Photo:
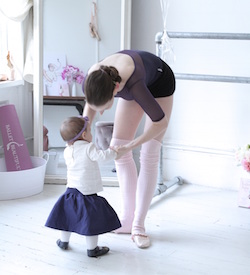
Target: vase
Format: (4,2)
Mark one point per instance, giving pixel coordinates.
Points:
(73,89)
(244,190)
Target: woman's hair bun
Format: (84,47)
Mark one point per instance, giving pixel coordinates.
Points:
(112,72)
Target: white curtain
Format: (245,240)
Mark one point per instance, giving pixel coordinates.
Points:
(16,9)
(20,11)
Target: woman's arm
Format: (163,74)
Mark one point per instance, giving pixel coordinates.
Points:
(90,113)
(159,117)
(153,131)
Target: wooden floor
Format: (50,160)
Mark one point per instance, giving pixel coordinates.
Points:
(193,229)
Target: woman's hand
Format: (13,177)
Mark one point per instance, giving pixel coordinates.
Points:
(121,150)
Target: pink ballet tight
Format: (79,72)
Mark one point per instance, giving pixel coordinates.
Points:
(127,177)
(137,192)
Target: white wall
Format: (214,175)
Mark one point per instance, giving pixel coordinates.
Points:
(66,31)
(209,119)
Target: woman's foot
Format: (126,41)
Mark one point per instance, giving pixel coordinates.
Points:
(123,230)
(126,228)
(142,241)
(62,245)
(98,251)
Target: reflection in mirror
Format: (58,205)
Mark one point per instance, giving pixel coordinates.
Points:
(66,39)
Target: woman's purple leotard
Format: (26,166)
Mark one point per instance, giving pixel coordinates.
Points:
(152,78)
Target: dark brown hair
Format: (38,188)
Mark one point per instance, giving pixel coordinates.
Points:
(99,85)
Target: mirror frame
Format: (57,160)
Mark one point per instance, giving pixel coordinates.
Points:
(125,43)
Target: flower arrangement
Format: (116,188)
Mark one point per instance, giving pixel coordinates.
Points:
(243,157)
(72,74)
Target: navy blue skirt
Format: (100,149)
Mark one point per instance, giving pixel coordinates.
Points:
(87,215)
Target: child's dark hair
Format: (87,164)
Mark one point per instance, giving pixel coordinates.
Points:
(99,85)
(71,127)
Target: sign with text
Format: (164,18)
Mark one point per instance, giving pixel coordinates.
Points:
(15,148)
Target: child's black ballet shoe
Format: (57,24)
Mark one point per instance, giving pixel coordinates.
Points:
(62,245)
(98,251)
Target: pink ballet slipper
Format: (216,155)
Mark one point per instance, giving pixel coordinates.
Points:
(142,241)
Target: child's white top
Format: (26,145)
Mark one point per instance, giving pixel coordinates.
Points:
(83,171)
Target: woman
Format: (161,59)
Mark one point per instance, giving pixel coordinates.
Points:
(144,84)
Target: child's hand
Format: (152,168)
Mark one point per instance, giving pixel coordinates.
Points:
(120,150)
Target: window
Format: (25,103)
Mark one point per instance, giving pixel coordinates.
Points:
(3,43)
(11,45)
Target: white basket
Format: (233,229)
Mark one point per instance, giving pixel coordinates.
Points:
(52,163)
(24,183)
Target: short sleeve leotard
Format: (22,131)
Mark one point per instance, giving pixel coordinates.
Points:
(152,78)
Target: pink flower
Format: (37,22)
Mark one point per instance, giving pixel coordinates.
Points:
(246,165)
(242,156)
(79,78)
(72,73)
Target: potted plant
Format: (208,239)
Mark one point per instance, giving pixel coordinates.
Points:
(73,75)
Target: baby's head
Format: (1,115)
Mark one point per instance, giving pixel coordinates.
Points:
(75,128)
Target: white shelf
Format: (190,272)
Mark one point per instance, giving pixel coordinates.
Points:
(8,84)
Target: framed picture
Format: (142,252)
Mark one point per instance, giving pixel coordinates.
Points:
(53,83)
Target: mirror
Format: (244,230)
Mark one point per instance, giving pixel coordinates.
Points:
(65,35)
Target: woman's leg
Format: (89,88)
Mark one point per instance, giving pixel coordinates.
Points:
(127,177)
(149,160)
(127,118)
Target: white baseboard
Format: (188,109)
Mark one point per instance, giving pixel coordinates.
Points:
(55,179)
(61,179)
(210,167)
